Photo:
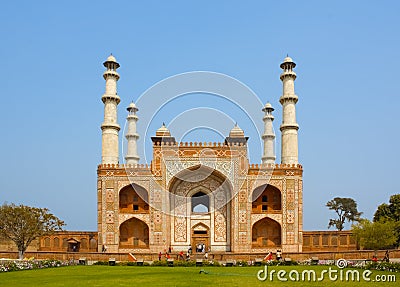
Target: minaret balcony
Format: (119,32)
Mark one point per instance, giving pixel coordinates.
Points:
(110,97)
(288,74)
(288,98)
(110,73)
(289,127)
(110,126)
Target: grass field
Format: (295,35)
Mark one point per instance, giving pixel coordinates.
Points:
(91,276)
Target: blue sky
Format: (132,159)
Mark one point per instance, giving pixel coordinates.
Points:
(347,55)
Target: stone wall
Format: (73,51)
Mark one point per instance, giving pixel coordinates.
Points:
(330,241)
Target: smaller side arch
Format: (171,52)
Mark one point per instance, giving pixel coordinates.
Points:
(134,233)
(84,243)
(266,233)
(46,242)
(133,199)
(56,242)
(266,199)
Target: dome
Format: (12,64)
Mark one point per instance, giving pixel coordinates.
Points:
(288,60)
(288,63)
(111,63)
(163,131)
(111,58)
(236,132)
(268,106)
(132,106)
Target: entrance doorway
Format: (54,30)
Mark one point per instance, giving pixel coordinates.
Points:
(200,238)
(73,245)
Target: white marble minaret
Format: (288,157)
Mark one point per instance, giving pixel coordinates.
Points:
(268,136)
(289,126)
(110,127)
(132,136)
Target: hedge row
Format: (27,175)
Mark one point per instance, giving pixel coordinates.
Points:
(17,265)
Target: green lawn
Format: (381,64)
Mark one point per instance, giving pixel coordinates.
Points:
(91,276)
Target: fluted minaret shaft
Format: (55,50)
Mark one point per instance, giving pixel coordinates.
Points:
(268,136)
(110,127)
(289,126)
(132,136)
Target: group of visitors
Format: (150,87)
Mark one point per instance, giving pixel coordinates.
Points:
(201,247)
(385,258)
(269,256)
(168,256)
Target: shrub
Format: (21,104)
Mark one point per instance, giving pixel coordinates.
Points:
(241,263)
(211,263)
(384,266)
(17,265)
(159,263)
(101,263)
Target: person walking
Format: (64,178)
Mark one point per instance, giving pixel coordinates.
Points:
(279,255)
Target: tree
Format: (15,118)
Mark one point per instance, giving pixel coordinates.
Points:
(346,208)
(390,212)
(375,235)
(22,224)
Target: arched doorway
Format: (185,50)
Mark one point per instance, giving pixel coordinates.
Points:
(266,233)
(73,245)
(134,233)
(200,238)
(200,195)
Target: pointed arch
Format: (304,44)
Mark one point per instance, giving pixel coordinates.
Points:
(200,226)
(266,199)
(56,242)
(134,233)
(200,202)
(213,188)
(198,173)
(266,233)
(133,198)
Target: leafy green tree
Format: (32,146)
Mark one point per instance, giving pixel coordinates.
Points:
(22,224)
(375,235)
(346,209)
(390,212)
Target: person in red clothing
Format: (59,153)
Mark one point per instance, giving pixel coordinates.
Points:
(268,257)
(181,255)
